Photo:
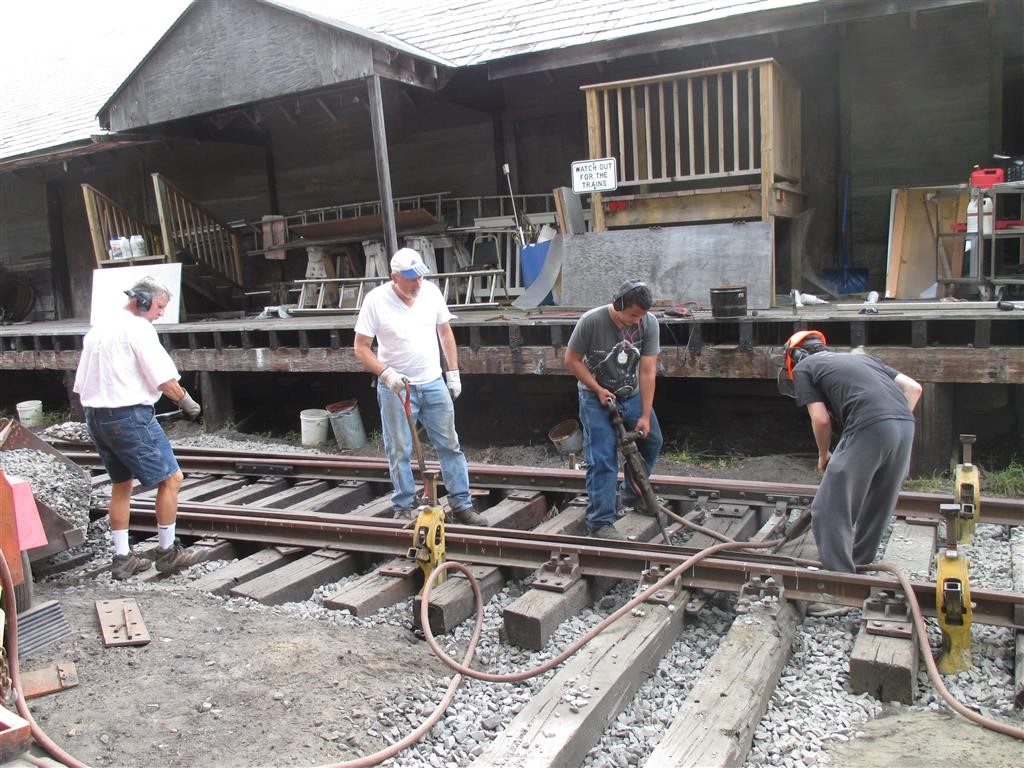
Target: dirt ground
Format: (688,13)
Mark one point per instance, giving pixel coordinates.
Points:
(226,685)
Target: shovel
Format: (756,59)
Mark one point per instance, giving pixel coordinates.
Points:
(407,402)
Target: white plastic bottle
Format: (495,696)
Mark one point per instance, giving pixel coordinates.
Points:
(138,246)
(986,215)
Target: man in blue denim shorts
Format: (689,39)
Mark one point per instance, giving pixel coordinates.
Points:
(121,374)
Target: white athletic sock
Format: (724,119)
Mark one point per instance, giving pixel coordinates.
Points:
(120,542)
(166,535)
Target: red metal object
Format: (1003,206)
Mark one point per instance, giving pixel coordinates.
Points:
(1000,224)
(985,178)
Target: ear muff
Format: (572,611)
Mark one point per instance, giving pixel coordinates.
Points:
(793,350)
(143,299)
(619,299)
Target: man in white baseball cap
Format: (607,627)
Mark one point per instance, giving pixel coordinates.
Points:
(407,316)
(409,264)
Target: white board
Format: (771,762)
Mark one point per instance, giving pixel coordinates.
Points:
(109,285)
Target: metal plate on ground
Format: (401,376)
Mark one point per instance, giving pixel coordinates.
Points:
(56,677)
(121,622)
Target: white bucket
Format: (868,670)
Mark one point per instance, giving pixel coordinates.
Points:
(30,413)
(314,426)
(347,424)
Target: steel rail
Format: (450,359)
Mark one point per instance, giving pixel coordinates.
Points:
(997,511)
(525,549)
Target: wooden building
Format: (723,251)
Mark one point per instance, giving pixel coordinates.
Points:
(290,109)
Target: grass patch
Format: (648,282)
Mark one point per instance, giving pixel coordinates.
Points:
(937,482)
(1005,483)
(685,454)
(1008,482)
(55,417)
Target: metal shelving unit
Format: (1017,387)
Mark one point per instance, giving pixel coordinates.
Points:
(972,273)
(996,235)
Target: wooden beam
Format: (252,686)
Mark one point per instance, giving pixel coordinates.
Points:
(995,365)
(380,147)
(551,730)
(715,726)
(327,109)
(886,667)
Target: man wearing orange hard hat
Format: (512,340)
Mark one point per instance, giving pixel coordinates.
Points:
(873,405)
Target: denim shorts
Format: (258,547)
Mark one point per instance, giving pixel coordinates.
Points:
(131,444)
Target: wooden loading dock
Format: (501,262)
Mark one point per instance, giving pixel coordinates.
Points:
(939,346)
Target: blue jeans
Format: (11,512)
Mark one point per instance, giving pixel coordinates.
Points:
(600,451)
(131,444)
(432,407)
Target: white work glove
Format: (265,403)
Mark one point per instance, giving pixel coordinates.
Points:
(393,380)
(454,382)
(189,407)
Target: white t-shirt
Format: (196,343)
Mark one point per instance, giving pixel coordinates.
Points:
(122,363)
(406,336)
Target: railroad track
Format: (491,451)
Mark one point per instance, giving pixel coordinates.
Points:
(285,524)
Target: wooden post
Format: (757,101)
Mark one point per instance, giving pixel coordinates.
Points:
(95,230)
(767,138)
(218,403)
(594,147)
(380,152)
(933,438)
(163,212)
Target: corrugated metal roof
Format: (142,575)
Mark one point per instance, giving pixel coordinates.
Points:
(61,61)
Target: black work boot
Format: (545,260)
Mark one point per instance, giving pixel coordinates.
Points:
(607,532)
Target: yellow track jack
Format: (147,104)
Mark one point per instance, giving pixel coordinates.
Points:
(953,597)
(967,490)
(428,532)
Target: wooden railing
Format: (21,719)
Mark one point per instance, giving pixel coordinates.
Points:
(721,122)
(109,219)
(187,226)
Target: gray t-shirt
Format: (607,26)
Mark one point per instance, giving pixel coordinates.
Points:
(611,353)
(857,389)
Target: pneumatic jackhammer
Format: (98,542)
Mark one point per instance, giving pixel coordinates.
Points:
(634,470)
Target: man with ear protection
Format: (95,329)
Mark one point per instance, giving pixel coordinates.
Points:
(613,353)
(874,406)
(123,371)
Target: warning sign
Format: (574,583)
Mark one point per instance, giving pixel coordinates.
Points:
(595,175)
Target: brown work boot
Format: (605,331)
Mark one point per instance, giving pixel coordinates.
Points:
(607,532)
(177,557)
(128,565)
(469,516)
(827,610)
(403,513)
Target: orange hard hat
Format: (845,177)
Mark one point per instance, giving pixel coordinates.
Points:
(795,342)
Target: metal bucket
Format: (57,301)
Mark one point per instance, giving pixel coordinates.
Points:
(347,424)
(729,301)
(314,426)
(567,437)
